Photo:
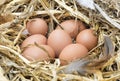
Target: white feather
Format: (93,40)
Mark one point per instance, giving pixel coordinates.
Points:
(25,32)
(87,3)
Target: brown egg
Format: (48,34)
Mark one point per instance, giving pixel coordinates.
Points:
(88,38)
(72,27)
(37,26)
(58,39)
(72,52)
(43,52)
(37,38)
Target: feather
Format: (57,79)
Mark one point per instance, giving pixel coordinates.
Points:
(88,64)
(87,3)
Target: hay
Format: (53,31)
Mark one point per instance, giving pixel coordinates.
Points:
(13,17)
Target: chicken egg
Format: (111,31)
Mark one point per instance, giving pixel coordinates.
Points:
(37,38)
(58,39)
(37,26)
(72,52)
(34,53)
(88,38)
(72,27)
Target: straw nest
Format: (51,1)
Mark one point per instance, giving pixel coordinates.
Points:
(13,17)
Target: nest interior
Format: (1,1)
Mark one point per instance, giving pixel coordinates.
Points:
(13,17)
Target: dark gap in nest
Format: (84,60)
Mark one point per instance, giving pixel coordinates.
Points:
(69,3)
(5,55)
(23,37)
(42,79)
(22,23)
(119,14)
(20,42)
(0,57)
(105,30)
(118,30)
(11,37)
(114,66)
(20,8)
(90,75)
(66,18)
(9,34)
(20,79)
(86,25)
(116,48)
(55,24)
(108,32)
(105,69)
(52,61)
(38,7)
(113,12)
(98,1)
(8,74)
(45,17)
(56,7)
(102,5)
(118,80)
(27,77)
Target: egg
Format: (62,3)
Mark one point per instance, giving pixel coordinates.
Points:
(72,27)
(72,52)
(34,53)
(37,26)
(37,38)
(88,38)
(58,39)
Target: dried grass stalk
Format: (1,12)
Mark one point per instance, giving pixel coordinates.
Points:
(14,15)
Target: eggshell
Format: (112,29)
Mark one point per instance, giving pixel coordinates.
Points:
(37,38)
(37,26)
(88,38)
(58,39)
(72,52)
(43,52)
(70,26)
